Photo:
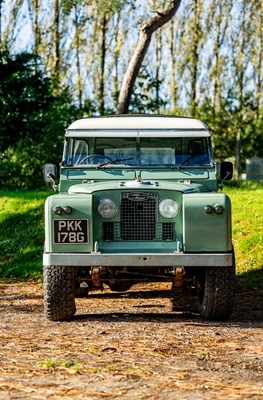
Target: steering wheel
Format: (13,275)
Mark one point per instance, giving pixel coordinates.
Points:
(98,156)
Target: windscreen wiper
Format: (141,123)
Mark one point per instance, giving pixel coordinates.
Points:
(114,162)
(192,156)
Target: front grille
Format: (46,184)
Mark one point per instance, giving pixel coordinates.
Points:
(107,231)
(168,231)
(138,219)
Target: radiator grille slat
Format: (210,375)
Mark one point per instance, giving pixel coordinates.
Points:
(138,219)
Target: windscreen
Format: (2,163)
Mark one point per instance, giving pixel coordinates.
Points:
(139,151)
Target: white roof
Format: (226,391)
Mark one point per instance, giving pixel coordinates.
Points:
(137,126)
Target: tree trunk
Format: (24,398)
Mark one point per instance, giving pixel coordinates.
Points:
(0,25)
(146,31)
(116,56)
(37,33)
(157,74)
(259,66)
(78,51)
(174,85)
(195,56)
(104,27)
(34,11)
(57,40)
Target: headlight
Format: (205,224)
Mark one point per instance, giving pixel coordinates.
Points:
(168,208)
(107,208)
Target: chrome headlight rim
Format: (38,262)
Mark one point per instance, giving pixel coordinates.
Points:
(107,208)
(168,208)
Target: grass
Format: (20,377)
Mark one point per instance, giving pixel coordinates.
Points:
(247,227)
(22,232)
(72,365)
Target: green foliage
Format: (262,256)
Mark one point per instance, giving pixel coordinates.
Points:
(224,125)
(22,232)
(143,99)
(33,120)
(210,52)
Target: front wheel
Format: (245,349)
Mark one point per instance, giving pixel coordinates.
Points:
(217,293)
(59,296)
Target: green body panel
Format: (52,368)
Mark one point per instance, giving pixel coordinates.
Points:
(206,232)
(71,176)
(82,209)
(204,177)
(196,230)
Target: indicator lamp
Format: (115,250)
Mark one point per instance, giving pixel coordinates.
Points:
(57,210)
(208,209)
(67,210)
(218,209)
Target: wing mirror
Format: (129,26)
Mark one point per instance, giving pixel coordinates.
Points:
(226,171)
(50,174)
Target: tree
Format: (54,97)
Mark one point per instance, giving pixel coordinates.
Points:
(32,120)
(34,12)
(146,31)
(1,40)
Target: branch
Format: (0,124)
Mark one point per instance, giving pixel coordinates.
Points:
(146,31)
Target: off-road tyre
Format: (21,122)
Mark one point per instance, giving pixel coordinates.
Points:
(216,297)
(59,296)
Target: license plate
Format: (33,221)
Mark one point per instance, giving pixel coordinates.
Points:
(71,231)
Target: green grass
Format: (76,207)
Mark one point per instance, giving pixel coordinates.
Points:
(62,364)
(22,232)
(247,227)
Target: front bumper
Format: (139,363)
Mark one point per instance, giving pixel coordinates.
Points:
(139,260)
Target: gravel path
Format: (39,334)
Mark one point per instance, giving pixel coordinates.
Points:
(128,345)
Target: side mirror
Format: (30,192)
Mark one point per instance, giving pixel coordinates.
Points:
(50,175)
(226,171)
(50,172)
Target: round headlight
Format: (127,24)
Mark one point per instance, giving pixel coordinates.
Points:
(67,210)
(107,208)
(168,208)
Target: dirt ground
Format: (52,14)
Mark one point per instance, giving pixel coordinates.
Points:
(128,345)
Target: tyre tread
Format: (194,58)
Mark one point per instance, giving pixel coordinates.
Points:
(59,298)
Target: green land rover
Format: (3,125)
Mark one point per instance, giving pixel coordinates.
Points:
(138,202)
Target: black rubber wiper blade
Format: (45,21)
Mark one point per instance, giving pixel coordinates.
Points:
(187,159)
(114,162)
